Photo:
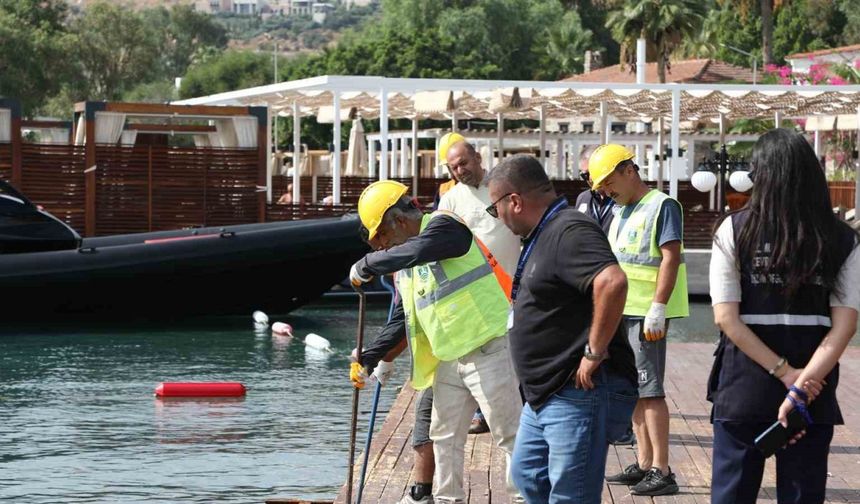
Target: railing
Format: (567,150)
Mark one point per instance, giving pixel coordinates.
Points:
(52,175)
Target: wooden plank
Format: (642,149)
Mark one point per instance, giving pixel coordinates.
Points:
(170,110)
(479,469)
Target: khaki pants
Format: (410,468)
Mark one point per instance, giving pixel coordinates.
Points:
(485,377)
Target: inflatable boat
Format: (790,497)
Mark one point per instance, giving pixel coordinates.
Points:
(47,271)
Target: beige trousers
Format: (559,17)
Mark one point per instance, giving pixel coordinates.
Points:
(485,377)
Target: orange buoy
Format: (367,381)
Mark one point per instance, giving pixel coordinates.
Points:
(200,389)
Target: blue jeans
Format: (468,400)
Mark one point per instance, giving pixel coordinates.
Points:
(560,451)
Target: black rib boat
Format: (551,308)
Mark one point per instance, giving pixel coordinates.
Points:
(47,272)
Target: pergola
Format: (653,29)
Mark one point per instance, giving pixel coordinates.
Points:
(403,98)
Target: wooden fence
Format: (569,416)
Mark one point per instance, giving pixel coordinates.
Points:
(154,188)
(5,161)
(53,176)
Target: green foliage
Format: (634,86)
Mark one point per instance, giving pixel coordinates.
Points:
(231,70)
(808,25)
(664,24)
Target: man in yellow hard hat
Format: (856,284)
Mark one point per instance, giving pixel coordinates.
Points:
(445,143)
(647,238)
(453,311)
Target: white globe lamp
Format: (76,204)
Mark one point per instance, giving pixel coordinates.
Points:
(740,181)
(704,181)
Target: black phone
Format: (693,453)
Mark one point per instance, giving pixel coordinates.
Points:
(776,436)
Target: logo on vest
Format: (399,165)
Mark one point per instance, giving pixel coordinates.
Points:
(423,272)
(632,234)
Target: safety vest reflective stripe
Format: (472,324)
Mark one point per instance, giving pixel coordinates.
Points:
(447,287)
(786,319)
(643,260)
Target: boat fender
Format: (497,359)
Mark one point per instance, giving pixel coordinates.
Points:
(227,234)
(282,329)
(261,320)
(200,389)
(87,250)
(316,341)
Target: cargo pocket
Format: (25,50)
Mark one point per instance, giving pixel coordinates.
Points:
(620,414)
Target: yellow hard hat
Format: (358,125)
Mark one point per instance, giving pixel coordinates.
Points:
(446,142)
(604,160)
(375,200)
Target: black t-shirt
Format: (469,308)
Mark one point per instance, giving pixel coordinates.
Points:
(554,307)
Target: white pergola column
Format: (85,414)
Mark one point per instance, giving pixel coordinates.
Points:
(857,174)
(415,166)
(559,158)
(604,123)
(661,139)
(542,137)
(500,135)
(437,170)
(691,156)
(574,153)
(392,169)
(383,134)
(371,158)
(676,143)
(777,118)
(404,157)
(297,154)
(454,127)
(816,143)
(335,167)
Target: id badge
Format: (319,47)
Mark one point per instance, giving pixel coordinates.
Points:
(510,319)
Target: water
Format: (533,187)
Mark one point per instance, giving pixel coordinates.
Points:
(79,423)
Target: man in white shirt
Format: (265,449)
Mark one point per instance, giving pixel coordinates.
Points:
(469,200)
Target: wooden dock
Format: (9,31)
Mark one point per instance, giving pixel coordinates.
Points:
(389,474)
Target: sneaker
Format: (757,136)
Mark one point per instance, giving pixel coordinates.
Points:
(656,483)
(407,499)
(479,426)
(631,475)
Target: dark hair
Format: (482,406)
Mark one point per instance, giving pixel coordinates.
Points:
(790,210)
(523,173)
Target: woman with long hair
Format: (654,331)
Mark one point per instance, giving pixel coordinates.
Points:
(784,279)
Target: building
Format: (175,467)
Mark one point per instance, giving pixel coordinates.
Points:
(320,11)
(802,62)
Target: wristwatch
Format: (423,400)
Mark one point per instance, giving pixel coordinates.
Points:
(595,356)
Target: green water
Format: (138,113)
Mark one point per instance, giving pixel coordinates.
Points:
(79,423)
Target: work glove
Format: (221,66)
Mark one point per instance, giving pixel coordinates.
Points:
(383,372)
(357,375)
(654,326)
(355,278)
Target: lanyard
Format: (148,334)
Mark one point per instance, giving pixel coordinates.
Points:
(527,251)
(600,210)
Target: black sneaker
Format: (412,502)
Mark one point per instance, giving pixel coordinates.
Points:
(631,475)
(656,483)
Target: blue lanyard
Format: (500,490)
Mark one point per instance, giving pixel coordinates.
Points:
(602,209)
(527,251)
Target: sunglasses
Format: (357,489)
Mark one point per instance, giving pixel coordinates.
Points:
(492,210)
(585,178)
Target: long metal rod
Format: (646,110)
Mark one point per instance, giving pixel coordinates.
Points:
(373,408)
(359,342)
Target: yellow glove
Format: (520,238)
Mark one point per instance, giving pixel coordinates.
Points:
(357,375)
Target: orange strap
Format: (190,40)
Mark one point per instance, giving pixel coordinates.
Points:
(503,278)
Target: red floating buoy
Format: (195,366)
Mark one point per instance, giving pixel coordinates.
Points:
(200,389)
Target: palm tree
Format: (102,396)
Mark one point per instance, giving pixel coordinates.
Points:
(664,24)
(567,42)
(767,8)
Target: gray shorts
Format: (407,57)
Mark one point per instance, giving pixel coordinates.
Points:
(423,409)
(650,359)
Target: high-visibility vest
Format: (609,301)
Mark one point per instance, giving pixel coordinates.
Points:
(452,307)
(635,246)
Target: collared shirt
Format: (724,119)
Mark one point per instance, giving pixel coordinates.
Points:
(554,307)
(470,204)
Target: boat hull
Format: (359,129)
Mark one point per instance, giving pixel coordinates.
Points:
(275,267)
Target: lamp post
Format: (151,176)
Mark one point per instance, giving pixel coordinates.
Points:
(713,172)
(751,55)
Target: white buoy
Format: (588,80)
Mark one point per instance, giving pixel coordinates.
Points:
(316,341)
(282,329)
(261,320)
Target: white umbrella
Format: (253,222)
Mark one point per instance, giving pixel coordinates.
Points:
(356,157)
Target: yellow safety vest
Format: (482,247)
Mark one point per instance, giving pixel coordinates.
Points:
(452,307)
(635,247)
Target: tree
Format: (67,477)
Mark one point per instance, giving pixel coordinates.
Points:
(116,50)
(664,24)
(566,45)
(33,47)
(184,34)
(766,9)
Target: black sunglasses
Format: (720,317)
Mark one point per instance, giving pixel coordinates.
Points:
(585,178)
(492,210)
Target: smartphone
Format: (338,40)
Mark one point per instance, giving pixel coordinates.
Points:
(776,436)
